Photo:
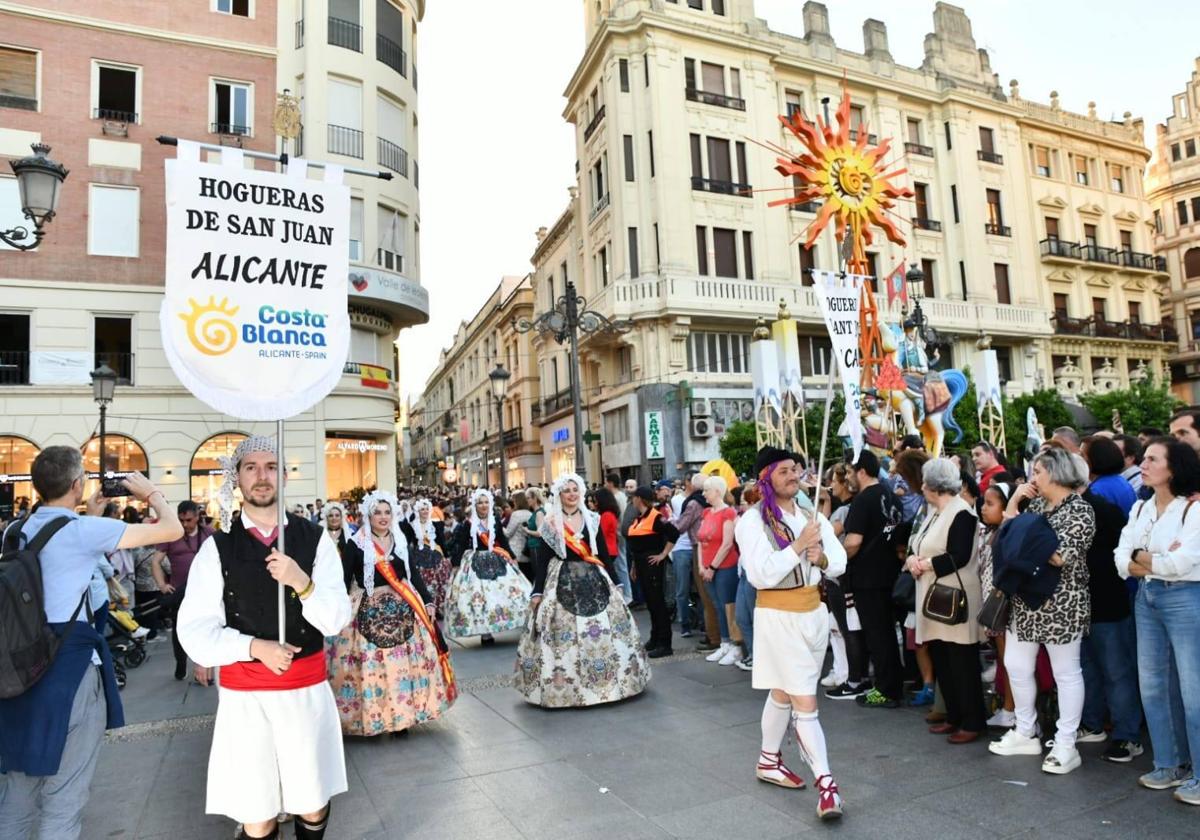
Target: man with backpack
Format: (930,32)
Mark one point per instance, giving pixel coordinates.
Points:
(873,568)
(57,688)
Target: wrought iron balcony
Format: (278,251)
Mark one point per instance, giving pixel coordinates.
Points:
(355,369)
(926,224)
(1066,325)
(600,207)
(1055,247)
(391,54)
(871,138)
(1103,328)
(1137,260)
(918,149)
(594,124)
(392,156)
(1097,254)
(345,141)
(990,157)
(346,34)
(115,115)
(512,436)
(121,363)
(557,402)
(718,99)
(231,128)
(997,230)
(723,187)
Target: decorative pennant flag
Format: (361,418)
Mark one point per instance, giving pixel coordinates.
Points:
(764,373)
(840,297)
(787,344)
(254,319)
(896,287)
(374,376)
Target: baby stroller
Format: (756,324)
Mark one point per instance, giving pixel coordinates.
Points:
(125,637)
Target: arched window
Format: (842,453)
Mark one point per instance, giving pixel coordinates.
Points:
(16,464)
(205,473)
(121,455)
(1191,263)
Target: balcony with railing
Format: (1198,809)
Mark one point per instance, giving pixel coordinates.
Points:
(392,156)
(1097,254)
(990,157)
(600,207)
(718,99)
(391,54)
(918,149)
(872,139)
(231,129)
(556,403)
(120,363)
(114,115)
(1139,261)
(1055,248)
(722,187)
(512,437)
(920,223)
(345,141)
(1103,328)
(14,367)
(594,124)
(997,230)
(299,34)
(345,33)
(1066,325)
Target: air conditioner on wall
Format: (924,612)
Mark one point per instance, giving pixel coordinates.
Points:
(702,427)
(700,408)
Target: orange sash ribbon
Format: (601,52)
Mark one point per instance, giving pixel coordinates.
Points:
(404,589)
(486,539)
(580,547)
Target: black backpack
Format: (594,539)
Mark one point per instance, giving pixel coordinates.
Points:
(28,644)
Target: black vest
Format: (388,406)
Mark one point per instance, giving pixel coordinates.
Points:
(250,591)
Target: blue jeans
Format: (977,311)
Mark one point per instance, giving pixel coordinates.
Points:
(621,563)
(723,590)
(1110,680)
(747,595)
(681,562)
(1168,629)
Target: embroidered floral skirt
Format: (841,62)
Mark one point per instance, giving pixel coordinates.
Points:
(434,569)
(384,669)
(583,647)
(487,595)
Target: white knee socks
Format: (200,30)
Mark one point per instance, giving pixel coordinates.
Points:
(775,720)
(812,742)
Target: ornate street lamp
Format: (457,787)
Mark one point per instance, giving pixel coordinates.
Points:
(39,180)
(104,386)
(500,377)
(916,287)
(565,321)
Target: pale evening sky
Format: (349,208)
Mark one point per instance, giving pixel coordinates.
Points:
(497,156)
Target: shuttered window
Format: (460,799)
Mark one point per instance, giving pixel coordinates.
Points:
(18,79)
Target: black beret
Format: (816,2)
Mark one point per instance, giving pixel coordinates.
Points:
(769,455)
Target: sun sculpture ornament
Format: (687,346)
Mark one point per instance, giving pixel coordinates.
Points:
(847,175)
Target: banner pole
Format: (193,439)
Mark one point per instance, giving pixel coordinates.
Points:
(281,477)
(824,433)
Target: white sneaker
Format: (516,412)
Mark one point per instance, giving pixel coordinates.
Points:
(1003,719)
(718,654)
(1061,760)
(833,680)
(732,656)
(1014,743)
(141,633)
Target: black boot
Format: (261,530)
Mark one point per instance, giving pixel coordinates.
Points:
(306,830)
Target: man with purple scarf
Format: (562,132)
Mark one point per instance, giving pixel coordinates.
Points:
(785,548)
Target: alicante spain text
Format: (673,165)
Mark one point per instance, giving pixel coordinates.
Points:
(770,419)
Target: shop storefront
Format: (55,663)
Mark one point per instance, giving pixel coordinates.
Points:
(16,464)
(558,442)
(352,464)
(206,473)
(122,455)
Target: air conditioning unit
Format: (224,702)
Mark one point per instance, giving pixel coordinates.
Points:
(702,427)
(700,408)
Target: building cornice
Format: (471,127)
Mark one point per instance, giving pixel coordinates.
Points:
(122,28)
(556,233)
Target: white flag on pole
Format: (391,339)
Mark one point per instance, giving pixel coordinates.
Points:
(840,299)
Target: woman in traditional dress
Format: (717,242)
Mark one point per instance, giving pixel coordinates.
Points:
(429,557)
(389,667)
(334,514)
(488,594)
(582,646)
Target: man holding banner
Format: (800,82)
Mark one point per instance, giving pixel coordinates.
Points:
(277,741)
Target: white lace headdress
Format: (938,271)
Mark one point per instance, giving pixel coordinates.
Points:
(552,526)
(363,538)
(426,528)
(477,525)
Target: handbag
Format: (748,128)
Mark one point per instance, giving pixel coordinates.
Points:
(993,615)
(945,604)
(904,592)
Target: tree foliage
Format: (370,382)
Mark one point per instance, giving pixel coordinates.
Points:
(814,419)
(739,446)
(1051,412)
(1146,403)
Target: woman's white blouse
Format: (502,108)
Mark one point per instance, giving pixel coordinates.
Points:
(1172,539)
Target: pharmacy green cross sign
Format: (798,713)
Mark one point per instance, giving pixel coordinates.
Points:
(654,435)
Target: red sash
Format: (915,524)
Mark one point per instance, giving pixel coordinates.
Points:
(580,547)
(404,589)
(486,539)
(255,676)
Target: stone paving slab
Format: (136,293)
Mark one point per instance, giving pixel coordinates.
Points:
(674,762)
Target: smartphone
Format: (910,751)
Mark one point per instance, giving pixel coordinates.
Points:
(113,488)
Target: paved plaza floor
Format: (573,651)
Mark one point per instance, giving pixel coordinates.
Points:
(677,761)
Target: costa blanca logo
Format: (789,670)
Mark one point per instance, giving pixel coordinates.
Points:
(209,328)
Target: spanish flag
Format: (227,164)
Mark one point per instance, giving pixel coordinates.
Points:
(374,376)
